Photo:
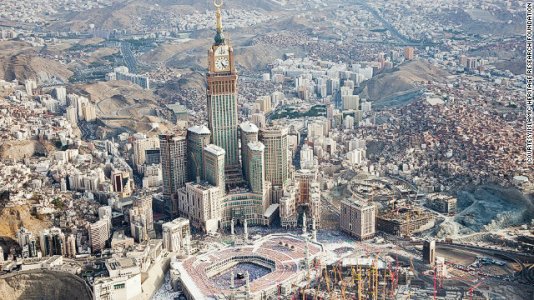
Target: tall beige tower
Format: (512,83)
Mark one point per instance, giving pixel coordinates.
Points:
(256,167)
(222,101)
(173,167)
(249,133)
(198,137)
(358,218)
(214,166)
(276,154)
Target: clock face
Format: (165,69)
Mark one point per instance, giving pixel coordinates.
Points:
(222,63)
(221,51)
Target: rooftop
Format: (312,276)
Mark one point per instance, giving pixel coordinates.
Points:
(256,146)
(214,149)
(249,127)
(199,129)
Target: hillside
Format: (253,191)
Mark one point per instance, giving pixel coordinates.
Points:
(123,106)
(23,63)
(131,14)
(20,149)
(404,81)
(13,218)
(44,285)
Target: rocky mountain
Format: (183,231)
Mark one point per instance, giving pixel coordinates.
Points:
(24,63)
(44,285)
(400,84)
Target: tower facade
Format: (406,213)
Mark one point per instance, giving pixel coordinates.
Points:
(198,137)
(276,154)
(214,166)
(173,167)
(256,171)
(249,133)
(357,218)
(222,101)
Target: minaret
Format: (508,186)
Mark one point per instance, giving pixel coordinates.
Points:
(304,225)
(314,231)
(247,283)
(232,229)
(245,230)
(232,284)
(222,100)
(307,256)
(188,246)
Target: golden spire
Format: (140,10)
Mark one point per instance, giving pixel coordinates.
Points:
(218,4)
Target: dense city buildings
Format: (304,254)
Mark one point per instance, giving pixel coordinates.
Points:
(323,149)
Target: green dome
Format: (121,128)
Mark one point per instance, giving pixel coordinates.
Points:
(219,38)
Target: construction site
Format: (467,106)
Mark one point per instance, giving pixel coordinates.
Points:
(329,265)
(403,221)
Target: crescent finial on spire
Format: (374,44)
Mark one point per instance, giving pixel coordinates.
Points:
(219,38)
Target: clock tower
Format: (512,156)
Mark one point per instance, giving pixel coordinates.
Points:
(222,100)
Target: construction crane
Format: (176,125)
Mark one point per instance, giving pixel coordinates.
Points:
(473,288)
(357,280)
(393,277)
(317,288)
(342,284)
(327,282)
(385,285)
(412,269)
(435,282)
(408,221)
(374,279)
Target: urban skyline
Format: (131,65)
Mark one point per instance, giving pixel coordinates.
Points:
(324,149)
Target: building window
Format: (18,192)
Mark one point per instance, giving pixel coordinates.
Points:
(119,286)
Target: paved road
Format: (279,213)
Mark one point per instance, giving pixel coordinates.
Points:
(129,58)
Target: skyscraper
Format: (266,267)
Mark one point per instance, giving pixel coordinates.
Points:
(142,218)
(121,182)
(140,146)
(307,160)
(214,166)
(409,53)
(249,133)
(256,171)
(222,101)
(71,246)
(276,154)
(27,242)
(198,137)
(358,218)
(220,195)
(173,167)
(138,224)
(105,213)
(98,235)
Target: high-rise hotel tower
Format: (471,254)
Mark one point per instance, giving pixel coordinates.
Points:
(222,101)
